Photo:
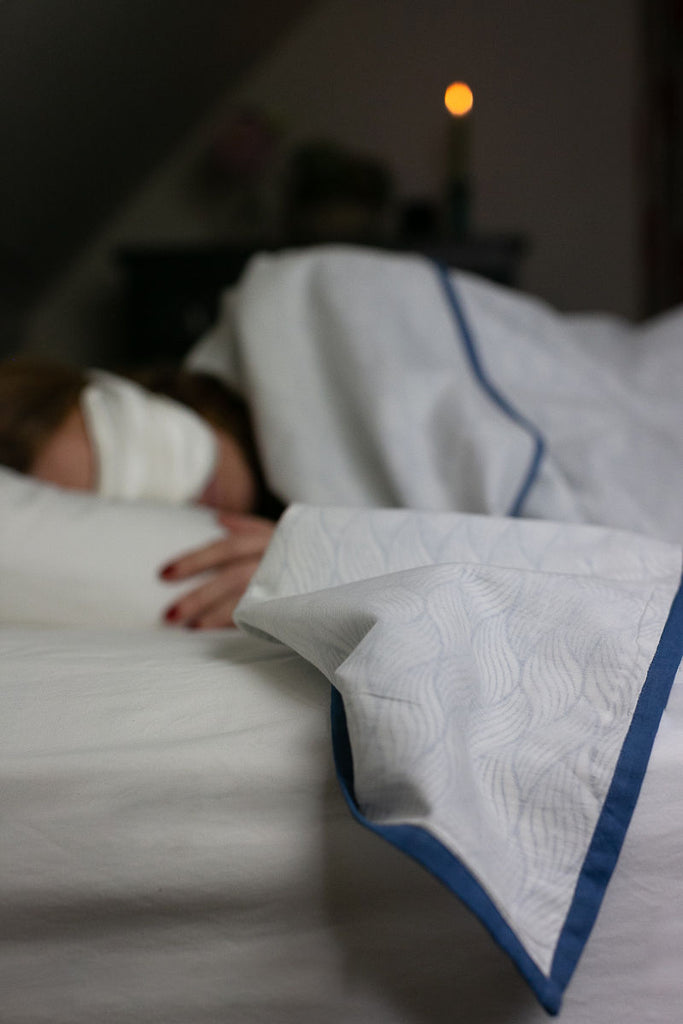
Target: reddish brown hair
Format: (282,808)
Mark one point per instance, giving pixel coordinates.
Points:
(35,399)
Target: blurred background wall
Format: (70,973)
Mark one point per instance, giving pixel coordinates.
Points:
(94,95)
(555,152)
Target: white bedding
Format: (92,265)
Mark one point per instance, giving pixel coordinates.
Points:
(498,684)
(383,380)
(174,847)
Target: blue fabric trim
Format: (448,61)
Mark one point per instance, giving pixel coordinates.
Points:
(492,391)
(422,846)
(622,796)
(605,846)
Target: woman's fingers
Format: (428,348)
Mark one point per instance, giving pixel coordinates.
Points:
(245,524)
(247,539)
(232,561)
(211,605)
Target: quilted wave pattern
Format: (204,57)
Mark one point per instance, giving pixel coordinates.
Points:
(489,671)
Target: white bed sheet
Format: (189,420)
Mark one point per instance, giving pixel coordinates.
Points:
(174,847)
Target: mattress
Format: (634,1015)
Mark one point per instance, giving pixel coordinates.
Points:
(175,847)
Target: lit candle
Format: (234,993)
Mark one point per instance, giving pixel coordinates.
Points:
(459,101)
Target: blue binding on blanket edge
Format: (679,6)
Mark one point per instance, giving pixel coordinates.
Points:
(605,845)
(492,391)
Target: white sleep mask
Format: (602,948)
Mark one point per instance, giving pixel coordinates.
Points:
(146,446)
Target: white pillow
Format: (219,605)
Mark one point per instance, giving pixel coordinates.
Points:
(68,558)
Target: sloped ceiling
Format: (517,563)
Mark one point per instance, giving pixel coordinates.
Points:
(93,93)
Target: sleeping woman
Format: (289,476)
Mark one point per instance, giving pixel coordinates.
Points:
(373,380)
(169,435)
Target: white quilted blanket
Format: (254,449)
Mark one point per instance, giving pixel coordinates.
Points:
(497,681)
(497,686)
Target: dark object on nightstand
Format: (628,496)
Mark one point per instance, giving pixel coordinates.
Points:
(334,194)
(172,294)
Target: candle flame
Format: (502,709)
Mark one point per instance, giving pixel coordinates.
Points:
(459,99)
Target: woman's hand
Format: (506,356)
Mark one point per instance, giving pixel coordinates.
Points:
(233,560)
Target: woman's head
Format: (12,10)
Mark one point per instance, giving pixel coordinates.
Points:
(99,432)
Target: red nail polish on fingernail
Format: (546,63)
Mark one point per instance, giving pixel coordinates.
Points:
(167,572)
(172,615)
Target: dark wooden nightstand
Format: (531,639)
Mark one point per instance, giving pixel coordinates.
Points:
(172,293)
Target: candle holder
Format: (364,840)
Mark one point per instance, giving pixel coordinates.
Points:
(458,209)
(459,101)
